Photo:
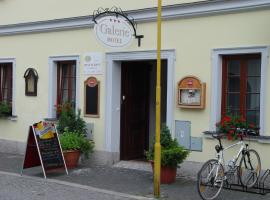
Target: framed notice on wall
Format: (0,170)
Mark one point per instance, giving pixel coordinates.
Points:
(191,93)
(92,63)
(91,97)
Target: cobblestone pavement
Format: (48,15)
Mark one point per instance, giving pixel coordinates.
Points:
(16,187)
(136,181)
(140,183)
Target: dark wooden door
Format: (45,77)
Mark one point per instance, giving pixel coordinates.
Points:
(134,110)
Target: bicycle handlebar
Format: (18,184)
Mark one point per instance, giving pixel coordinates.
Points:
(244,131)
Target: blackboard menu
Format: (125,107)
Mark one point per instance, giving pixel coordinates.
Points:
(49,146)
(43,148)
(91,88)
(50,152)
(92,100)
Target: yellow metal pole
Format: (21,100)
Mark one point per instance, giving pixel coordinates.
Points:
(157,160)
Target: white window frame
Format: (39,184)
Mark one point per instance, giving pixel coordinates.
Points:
(53,81)
(217,83)
(13,61)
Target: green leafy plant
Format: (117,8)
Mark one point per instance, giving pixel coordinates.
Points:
(5,109)
(75,141)
(229,123)
(69,119)
(172,154)
(72,130)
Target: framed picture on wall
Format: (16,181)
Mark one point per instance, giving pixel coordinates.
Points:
(91,97)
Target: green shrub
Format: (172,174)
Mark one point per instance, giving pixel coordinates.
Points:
(5,109)
(172,153)
(75,141)
(70,120)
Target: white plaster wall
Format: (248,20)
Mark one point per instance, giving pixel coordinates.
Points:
(193,39)
(17,11)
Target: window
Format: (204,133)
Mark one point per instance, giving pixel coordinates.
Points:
(241,85)
(66,83)
(6,83)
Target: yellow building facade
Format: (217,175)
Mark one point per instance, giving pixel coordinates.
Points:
(196,38)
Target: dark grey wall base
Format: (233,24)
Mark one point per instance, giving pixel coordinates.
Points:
(12,147)
(97,158)
(101,158)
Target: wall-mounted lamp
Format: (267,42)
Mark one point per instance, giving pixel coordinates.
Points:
(31,78)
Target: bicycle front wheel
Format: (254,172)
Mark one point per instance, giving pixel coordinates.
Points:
(210,179)
(250,168)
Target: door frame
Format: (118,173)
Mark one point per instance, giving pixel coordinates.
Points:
(113,91)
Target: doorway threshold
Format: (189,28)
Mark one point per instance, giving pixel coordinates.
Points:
(134,164)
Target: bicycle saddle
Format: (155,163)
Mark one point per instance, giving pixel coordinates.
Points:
(218,135)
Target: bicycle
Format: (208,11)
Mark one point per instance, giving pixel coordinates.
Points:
(211,177)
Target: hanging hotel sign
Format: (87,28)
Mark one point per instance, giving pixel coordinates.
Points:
(114,28)
(113,31)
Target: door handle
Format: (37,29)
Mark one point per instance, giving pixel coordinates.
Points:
(123,99)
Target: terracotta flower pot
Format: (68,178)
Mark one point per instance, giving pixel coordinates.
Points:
(167,174)
(71,158)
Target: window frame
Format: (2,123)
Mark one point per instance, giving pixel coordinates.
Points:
(52,82)
(216,76)
(59,91)
(243,81)
(8,82)
(13,63)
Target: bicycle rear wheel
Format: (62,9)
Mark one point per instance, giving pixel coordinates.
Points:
(250,168)
(210,179)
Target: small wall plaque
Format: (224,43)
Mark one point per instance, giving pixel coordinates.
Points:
(191,93)
(31,78)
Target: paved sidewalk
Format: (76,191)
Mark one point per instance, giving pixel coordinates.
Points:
(136,181)
(16,187)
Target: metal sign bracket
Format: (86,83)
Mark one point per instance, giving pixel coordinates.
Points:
(116,12)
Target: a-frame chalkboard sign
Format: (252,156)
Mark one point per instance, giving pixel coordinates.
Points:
(43,148)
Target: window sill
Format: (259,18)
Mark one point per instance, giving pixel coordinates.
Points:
(53,120)
(11,117)
(259,139)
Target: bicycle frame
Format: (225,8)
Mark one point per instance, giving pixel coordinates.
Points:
(220,155)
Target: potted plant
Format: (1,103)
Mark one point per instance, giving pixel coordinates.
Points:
(72,132)
(73,144)
(5,109)
(229,123)
(69,119)
(172,154)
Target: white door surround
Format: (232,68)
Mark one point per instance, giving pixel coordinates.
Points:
(113,91)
